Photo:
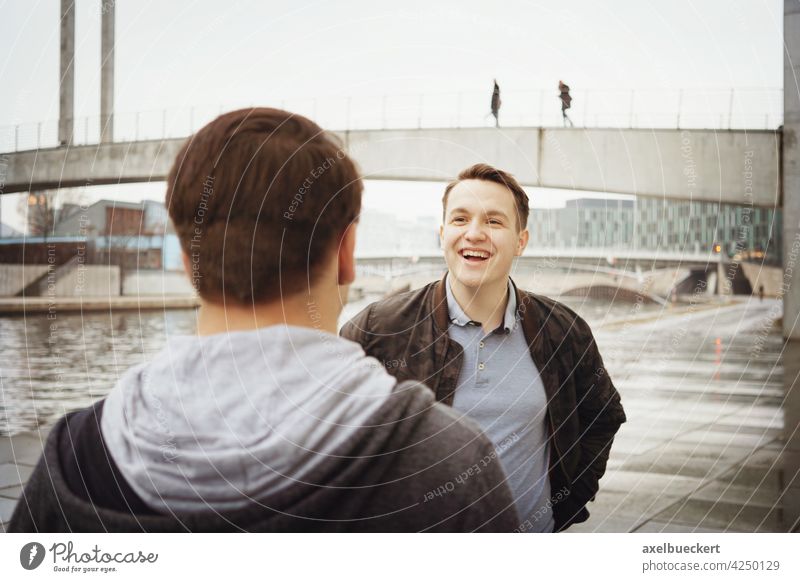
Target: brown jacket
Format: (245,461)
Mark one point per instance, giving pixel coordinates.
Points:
(408,334)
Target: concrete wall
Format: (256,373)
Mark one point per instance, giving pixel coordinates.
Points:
(791,168)
(95,281)
(770,277)
(157,283)
(88,281)
(14,278)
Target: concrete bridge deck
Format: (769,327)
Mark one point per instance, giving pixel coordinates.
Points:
(697,164)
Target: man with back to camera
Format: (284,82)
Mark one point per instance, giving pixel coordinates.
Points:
(524,366)
(266,420)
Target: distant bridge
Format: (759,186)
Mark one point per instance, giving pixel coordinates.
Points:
(624,275)
(594,256)
(639,276)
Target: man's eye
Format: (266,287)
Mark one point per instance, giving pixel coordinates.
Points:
(494,221)
(459,219)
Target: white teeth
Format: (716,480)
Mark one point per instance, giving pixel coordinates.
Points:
(479,254)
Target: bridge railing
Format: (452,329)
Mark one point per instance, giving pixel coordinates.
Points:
(740,108)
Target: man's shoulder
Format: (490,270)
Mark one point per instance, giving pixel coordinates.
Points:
(393,314)
(399,303)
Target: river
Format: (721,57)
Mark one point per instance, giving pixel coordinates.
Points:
(51,366)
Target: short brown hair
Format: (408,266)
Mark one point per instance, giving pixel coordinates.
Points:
(260,198)
(492,174)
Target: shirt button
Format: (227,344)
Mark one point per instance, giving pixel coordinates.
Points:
(481,366)
(480,345)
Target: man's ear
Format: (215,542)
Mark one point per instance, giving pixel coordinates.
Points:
(347,259)
(441,236)
(523,242)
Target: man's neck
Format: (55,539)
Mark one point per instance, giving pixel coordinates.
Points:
(318,309)
(485,303)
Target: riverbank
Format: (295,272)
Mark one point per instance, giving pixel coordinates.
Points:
(23,305)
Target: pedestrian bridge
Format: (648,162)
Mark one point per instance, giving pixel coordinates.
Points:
(725,166)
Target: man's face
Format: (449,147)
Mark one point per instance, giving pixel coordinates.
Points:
(480,235)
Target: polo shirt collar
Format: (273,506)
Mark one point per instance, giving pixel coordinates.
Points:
(458,317)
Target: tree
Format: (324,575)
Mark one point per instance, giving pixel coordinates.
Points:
(44,210)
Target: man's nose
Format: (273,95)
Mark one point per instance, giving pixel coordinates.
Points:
(475,231)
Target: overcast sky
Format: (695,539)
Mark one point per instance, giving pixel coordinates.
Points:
(174,54)
(202,53)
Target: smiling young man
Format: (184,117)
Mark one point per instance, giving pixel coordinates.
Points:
(525,367)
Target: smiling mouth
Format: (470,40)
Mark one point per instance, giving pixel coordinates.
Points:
(474,256)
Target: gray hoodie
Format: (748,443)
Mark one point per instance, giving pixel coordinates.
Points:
(239,416)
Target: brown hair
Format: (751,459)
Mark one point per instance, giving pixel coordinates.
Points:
(492,174)
(259,199)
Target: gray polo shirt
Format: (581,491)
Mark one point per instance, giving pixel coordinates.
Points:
(499,387)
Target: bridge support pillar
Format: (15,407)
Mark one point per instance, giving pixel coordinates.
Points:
(791,251)
(724,286)
(791,170)
(107,73)
(66,80)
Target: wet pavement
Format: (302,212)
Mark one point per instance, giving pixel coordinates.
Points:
(711,444)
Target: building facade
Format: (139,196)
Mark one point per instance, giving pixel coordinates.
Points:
(654,224)
(134,235)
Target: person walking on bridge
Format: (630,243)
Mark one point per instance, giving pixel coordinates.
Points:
(496,104)
(566,102)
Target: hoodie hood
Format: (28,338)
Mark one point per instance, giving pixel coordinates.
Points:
(217,422)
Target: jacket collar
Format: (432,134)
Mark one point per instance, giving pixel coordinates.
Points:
(441,317)
(457,316)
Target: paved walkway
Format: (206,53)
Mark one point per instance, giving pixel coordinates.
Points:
(18,455)
(711,444)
